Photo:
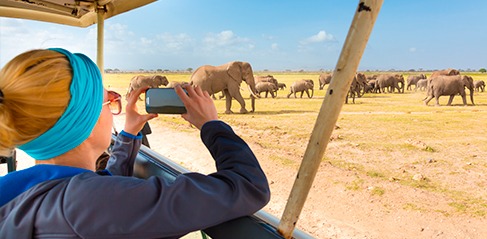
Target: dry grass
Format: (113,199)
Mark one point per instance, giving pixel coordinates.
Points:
(382,137)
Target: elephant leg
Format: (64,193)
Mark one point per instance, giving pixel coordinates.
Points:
(290,93)
(307,92)
(464,98)
(228,99)
(427,99)
(450,100)
(240,100)
(437,100)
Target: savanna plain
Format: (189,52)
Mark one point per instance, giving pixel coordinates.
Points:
(393,168)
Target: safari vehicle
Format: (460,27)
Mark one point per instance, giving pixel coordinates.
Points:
(83,13)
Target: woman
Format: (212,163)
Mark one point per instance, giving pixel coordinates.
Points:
(53,107)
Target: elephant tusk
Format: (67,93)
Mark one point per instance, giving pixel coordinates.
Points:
(252,92)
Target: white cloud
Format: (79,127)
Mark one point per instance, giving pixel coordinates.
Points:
(274,46)
(268,37)
(226,39)
(320,40)
(322,36)
(412,49)
(18,36)
(171,42)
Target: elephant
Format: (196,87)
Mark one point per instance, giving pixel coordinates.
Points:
(372,86)
(445,72)
(391,82)
(302,86)
(421,84)
(267,78)
(449,85)
(357,88)
(360,84)
(147,81)
(226,78)
(173,84)
(413,80)
(371,77)
(267,87)
(281,86)
(325,78)
(479,85)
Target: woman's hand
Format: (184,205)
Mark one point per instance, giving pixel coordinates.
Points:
(199,106)
(133,120)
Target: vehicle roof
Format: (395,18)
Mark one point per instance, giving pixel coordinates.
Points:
(79,13)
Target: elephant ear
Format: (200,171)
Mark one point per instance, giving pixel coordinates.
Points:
(234,69)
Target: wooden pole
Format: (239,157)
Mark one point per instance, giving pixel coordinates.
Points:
(353,48)
(100,12)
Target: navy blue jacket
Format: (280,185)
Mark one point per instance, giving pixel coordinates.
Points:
(51,201)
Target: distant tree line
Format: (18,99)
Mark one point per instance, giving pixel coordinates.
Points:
(189,69)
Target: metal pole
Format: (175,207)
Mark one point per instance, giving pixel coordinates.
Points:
(353,48)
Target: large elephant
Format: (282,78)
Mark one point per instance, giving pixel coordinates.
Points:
(302,86)
(449,85)
(324,79)
(226,78)
(267,87)
(445,72)
(147,81)
(391,82)
(413,80)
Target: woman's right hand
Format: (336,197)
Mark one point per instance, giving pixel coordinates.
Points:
(199,105)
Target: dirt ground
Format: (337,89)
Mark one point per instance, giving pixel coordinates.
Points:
(331,211)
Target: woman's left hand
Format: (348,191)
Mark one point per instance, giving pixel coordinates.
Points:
(133,120)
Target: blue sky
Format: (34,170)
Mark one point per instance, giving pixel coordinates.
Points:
(272,35)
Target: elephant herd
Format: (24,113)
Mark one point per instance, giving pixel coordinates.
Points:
(448,82)
(227,78)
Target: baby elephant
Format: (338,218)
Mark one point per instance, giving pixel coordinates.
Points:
(267,87)
(281,86)
(302,86)
(479,85)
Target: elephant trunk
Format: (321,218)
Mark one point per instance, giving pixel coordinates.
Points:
(312,92)
(252,103)
(471,95)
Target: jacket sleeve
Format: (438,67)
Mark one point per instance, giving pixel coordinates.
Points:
(156,208)
(124,152)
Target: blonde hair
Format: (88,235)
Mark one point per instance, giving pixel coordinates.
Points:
(36,92)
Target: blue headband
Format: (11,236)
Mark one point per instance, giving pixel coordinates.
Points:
(81,115)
